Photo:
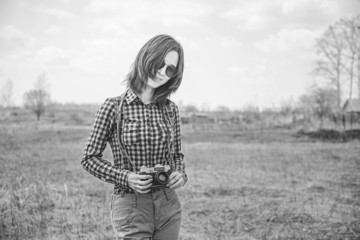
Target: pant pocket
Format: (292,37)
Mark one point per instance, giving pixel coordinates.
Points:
(121,215)
(171,205)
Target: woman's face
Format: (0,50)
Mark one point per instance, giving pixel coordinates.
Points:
(161,77)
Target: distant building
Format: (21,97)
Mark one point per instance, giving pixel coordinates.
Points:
(352,106)
(351,110)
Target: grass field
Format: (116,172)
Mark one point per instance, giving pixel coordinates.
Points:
(255,184)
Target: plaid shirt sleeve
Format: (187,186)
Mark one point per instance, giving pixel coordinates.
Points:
(178,156)
(92,160)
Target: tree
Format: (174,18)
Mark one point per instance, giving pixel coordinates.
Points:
(222,109)
(191,108)
(287,110)
(306,105)
(325,102)
(337,49)
(320,102)
(330,47)
(6,98)
(351,34)
(38,98)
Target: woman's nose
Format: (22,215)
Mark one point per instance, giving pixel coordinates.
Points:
(162,70)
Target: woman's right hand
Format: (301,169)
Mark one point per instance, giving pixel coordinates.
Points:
(140,183)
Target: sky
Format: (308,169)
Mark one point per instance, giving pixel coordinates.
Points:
(238,53)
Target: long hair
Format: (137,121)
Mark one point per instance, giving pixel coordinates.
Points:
(149,60)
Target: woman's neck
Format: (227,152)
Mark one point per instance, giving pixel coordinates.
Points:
(146,95)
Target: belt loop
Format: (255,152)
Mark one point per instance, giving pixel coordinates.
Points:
(122,193)
(136,198)
(167,198)
(112,202)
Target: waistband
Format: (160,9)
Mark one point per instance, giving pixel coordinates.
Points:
(120,191)
(165,194)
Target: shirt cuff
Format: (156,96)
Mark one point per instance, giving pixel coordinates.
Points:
(123,178)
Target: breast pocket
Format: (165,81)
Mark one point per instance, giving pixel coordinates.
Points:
(131,132)
(161,134)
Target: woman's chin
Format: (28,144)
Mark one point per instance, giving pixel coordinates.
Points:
(154,83)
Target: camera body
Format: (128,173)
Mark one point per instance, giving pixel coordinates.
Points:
(159,173)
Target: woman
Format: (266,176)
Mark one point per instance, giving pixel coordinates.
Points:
(142,128)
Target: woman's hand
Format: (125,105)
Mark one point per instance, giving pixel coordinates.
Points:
(176,180)
(140,183)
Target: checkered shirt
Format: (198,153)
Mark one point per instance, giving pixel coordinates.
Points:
(147,137)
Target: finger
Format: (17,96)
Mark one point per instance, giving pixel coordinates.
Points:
(144,187)
(176,184)
(143,177)
(174,175)
(174,180)
(144,182)
(143,191)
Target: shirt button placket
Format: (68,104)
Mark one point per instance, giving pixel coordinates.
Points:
(149,130)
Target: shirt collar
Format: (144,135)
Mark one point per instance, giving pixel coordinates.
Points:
(130,96)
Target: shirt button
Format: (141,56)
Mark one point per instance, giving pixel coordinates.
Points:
(149,141)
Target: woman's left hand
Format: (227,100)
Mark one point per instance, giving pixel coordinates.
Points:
(176,180)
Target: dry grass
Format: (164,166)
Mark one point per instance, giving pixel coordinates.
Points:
(242,185)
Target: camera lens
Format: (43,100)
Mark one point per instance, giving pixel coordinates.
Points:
(162,177)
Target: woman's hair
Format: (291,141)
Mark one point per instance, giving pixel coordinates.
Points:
(149,59)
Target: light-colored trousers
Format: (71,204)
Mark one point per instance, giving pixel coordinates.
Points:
(154,215)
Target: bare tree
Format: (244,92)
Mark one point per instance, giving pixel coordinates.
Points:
(306,106)
(286,111)
(325,102)
(38,98)
(6,98)
(222,109)
(319,102)
(352,50)
(330,48)
(358,49)
(337,49)
(191,108)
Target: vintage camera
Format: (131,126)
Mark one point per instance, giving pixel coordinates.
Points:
(159,173)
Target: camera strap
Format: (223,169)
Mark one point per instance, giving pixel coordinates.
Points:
(168,118)
(119,123)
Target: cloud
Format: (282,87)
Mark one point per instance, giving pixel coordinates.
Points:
(237,70)
(114,26)
(58,13)
(263,14)
(111,46)
(12,38)
(230,41)
(184,13)
(246,71)
(289,39)
(190,44)
(104,56)
(53,30)
(317,13)
(302,6)
(133,13)
(53,56)
(91,65)
(252,15)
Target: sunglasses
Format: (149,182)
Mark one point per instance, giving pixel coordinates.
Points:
(170,70)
